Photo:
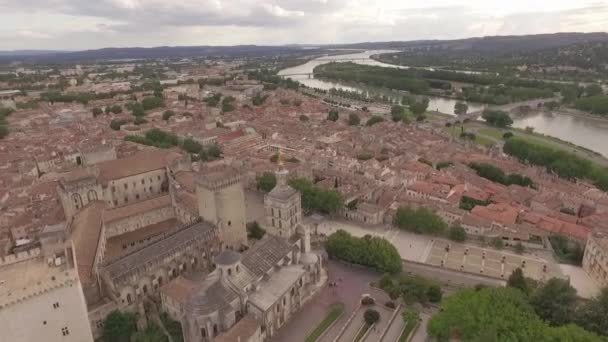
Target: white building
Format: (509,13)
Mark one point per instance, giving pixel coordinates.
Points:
(41,299)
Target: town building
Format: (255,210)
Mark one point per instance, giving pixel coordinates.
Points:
(595,260)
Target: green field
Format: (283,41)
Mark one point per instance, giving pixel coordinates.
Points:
(335,311)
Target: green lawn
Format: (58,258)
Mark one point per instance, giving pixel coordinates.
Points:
(335,311)
(362,332)
(407,330)
(479,140)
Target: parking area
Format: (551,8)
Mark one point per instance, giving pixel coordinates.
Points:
(489,262)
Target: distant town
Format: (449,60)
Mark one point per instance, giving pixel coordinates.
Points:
(258,199)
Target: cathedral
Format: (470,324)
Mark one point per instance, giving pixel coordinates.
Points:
(149,226)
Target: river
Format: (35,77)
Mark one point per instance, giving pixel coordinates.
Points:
(581,131)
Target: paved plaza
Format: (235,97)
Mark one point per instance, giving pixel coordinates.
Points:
(489,262)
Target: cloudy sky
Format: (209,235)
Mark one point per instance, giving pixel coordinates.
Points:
(87,24)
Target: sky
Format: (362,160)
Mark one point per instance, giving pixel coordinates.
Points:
(91,24)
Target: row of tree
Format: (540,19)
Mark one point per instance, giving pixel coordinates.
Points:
(413,289)
(161,139)
(496,175)
(564,164)
(374,252)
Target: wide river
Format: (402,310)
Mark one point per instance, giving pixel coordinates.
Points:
(586,132)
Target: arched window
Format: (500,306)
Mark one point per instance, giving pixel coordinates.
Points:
(215,330)
(77,201)
(204,332)
(92,195)
(229,272)
(145,288)
(129,300)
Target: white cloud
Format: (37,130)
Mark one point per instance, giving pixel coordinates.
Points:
(78,24)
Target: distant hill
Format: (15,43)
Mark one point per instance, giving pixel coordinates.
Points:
(493,45)
(150,53)
(488,46)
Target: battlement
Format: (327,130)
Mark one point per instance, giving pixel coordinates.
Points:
(19,257)
(31,277)
(219,180)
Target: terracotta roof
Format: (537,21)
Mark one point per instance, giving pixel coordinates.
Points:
(86,230)
(265,254)
(115,214)
(139,163)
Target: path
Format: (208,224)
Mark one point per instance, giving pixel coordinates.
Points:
(421,335)
(395,330)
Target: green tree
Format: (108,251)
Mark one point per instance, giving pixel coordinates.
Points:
(434,293)
(420,107)
(3,131)
(593,90)
(421,220)
(116,109)
(555,301)
(518,281)
(96,111)
(374,120)
(333,115)
(304,118)
(119,326)
(151,102)
(167,114)
(507,135)
(254,231)
(267,181)
(317,199)
(460,108)
(375,252)
(497,118)
(371,316)
(214,151)
(488,314)
(353,119)
(397,113)
(497,243)
(592,314)
(457,233)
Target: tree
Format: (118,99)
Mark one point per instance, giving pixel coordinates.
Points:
(254,231)
(460,108)
(497,243)
(119,326)
(457,233)
(333,115)
(96,111)
(497,314)
(555,301)
(375,252)
(374,120)
(304,118)
(421,220)
(371,316)
(518,281)
(418,108)
(397,113)
(3,131)
(507,135)
(434,293)
(167,114)
(267,182)
(115,124)
(151,102)
(116,109)
(592,314)
(497,118)
(214,151)
(353,119)
(593,90)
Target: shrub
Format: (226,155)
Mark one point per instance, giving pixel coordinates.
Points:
(371,316)
(368,301)
(390,304)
